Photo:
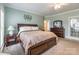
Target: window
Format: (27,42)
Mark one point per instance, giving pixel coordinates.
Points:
(74,27)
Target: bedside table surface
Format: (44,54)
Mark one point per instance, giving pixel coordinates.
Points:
(8,37)
(10,40)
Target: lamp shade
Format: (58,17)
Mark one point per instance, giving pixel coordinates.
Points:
(11,28)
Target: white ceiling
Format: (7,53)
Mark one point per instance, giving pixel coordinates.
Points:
(43,9)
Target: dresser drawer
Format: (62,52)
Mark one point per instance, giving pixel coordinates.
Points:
(58,31)
(60,35)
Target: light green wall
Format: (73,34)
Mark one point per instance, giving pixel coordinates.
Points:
(64,17)
(13,17)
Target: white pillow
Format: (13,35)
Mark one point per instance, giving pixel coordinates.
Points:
(25,28)
(35,28)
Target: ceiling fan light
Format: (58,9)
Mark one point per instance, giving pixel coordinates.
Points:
(57,6)
(63,4)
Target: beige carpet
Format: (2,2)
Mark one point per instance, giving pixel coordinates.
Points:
(64,47)
(15,49)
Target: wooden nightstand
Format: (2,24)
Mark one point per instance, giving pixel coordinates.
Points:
(10,40)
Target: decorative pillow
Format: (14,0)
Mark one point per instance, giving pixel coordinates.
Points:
(35,28)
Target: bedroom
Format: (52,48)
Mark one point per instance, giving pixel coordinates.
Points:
(39,15)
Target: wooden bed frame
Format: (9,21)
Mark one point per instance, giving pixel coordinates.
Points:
(41,46)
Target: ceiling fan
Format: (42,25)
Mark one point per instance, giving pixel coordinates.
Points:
(57,5)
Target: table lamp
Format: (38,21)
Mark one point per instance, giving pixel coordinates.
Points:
(11,30)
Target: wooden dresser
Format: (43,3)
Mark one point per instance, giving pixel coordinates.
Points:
(58,31)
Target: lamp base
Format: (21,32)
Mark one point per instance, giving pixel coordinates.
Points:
(11,33)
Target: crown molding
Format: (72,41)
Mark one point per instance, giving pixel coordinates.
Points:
(21,9)
(63,13)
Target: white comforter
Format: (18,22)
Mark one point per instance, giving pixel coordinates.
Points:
(32,37)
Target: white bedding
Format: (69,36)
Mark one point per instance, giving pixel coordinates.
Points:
(30,38)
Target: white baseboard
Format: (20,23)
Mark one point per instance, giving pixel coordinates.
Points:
(72,38)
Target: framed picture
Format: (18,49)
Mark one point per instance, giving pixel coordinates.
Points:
(57,23)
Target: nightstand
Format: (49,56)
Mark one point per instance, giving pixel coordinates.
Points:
(10,40)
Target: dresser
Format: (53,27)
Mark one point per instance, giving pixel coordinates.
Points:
(58,31)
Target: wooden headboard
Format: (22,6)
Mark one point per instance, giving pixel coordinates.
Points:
(21,25)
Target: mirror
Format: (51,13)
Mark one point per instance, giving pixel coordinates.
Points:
(57,23)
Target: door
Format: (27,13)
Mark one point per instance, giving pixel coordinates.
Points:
(47,25)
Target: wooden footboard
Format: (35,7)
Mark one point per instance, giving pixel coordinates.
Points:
(42,46)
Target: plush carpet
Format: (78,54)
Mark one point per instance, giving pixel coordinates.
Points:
(15,49)
(63,47)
